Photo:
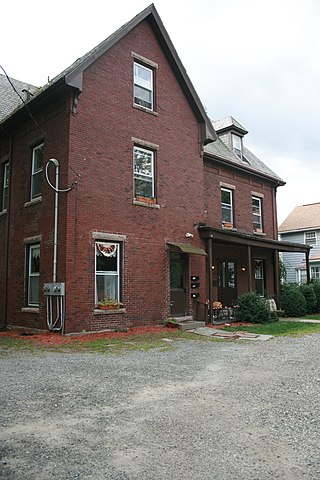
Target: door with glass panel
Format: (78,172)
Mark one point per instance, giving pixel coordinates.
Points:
(177,284)
(227,282)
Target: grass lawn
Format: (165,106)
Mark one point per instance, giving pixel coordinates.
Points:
(290,329)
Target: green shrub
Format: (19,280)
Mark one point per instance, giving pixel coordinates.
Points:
(251,308)
(310,296)
(292,300)
(316,288)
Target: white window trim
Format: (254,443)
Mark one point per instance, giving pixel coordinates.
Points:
(5,185)
(118,273)
(31,274)
(255,215)
(34,172)
(151,90)
(235,150)
(136,147)
(307,240)
(226,205)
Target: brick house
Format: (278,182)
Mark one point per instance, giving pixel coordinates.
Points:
(302,226)
(157,207)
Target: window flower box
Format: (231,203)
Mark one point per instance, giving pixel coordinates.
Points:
(141,198)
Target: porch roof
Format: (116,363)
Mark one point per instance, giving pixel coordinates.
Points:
(219,235)
(186,248)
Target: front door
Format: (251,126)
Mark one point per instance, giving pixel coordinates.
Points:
(177,284)
(227,282)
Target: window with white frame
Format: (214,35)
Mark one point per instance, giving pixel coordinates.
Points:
(33,273)
(315,273)
(143,168)
(143,86)
(36,172)
(5,186)
(257,214)
(310,238)
(107,271)
(237,145)
(227,206)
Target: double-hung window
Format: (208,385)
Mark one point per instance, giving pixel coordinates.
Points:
(33,273)
(257,214)
(310,238)
(143,172)
(36,171)
(107,271)
(143,86)
(227,206)
(5,186)
(237,145)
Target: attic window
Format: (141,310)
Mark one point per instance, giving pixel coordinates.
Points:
(143,86)
(237,145)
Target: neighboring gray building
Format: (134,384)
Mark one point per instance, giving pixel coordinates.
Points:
(302,226)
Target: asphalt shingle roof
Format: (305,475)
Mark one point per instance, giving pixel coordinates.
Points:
(9,100)
(302,217)
(250,162)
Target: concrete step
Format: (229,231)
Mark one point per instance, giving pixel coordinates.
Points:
(190,324)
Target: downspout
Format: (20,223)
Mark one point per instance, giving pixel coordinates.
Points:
(3,325)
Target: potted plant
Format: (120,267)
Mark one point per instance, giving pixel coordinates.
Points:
(171,323)
(108,304)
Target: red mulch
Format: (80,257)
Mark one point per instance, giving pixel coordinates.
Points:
(55,338)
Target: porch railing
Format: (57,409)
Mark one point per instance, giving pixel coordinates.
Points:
(200,311)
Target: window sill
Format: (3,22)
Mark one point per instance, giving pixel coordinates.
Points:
(3,212)
(145,204)
(34,201)
(30,309)
(226,227)
(261,234)
(144,109)
(97,311)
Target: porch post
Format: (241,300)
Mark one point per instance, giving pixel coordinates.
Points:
(249,268)
(308,266)
(210,276)
(276,275)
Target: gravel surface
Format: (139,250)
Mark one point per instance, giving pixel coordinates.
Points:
(205,410)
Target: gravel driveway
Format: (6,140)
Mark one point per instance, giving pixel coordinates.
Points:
(205,410)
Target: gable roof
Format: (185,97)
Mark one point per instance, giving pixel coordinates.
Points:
(9,99)
(303,217)
(219,150)
(73,75)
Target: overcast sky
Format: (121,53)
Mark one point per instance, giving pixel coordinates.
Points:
(257,60)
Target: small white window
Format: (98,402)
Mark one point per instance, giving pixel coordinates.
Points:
(36,172)
(5,186)
(33,274)
(257,214)
(237,145)
(143,169)
(310,238)
(315,273)
(107,271)
(227,206)
(143,86)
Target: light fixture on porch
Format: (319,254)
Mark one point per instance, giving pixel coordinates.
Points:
(243,269)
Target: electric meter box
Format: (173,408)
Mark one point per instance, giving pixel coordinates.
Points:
(54,289)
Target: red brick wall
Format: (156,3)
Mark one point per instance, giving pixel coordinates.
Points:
(36,219)
(244,184)
(101,149)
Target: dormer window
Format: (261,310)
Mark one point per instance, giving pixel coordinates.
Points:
(237,145)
